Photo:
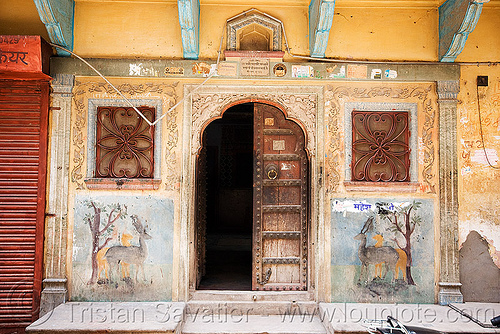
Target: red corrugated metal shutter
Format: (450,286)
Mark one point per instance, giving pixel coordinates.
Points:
(23,148)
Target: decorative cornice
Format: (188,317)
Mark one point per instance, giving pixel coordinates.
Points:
(58,17)
(457,19)
(320,22)
(189,19)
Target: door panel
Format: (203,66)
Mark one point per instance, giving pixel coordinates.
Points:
(280,202)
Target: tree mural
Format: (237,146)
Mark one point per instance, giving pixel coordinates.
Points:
(101,226)
(403,220)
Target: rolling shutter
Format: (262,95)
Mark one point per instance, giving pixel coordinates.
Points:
(23,148)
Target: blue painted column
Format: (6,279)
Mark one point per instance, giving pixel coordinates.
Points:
(457,19)
(189,19)
(58,17)
(320,22)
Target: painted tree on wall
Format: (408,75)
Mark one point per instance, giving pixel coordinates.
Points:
(101,226)
(403,220)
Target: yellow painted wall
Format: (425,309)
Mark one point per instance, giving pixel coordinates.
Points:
(124,30)
(384,34)
(483,44)
(151,30)
(479,184)
(213,18)
(20,17)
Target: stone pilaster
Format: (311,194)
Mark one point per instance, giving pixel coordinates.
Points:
(54,283)
(449,280)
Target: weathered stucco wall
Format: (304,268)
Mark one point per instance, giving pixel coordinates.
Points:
(352,205)
(478,181)
(375,33)
(119,207)
(20,17)
(482,45)
(151,30)
(162,207)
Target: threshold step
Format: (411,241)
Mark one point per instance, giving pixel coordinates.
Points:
(251,324)
(249,296)
(111,317)
(263,308)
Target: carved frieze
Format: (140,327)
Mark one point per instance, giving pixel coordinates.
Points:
(335,97)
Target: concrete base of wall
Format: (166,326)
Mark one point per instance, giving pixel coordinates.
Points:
(111,317)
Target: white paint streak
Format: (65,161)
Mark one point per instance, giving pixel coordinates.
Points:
(480,158)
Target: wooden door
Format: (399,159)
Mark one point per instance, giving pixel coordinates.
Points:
(280,190)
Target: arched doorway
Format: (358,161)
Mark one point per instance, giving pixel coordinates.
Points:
(252,193)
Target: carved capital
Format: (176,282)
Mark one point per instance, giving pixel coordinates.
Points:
(63,84)
(448,90)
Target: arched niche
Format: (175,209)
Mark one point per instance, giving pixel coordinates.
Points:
(253,31)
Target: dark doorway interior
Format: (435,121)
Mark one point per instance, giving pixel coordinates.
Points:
(229,200)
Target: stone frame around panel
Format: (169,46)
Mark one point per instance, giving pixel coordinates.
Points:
(337,96)
(82,91)
(302,104)
(411,108)
(93,104)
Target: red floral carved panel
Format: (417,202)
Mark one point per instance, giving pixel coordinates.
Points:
(380,150)
(124,143)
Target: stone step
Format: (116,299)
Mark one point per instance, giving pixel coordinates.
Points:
(202,307)
(111,317)
(251,324)
(221,295)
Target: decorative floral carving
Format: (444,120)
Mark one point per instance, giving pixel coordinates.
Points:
(301,107)
(335,98)
(85,90)
(77,174)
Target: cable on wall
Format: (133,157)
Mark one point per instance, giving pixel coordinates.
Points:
(481,129)
(213,71)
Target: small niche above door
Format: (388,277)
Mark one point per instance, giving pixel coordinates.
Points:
(254,35)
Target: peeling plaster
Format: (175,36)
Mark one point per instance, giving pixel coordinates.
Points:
(489,230)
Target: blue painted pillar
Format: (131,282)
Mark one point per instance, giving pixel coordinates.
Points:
(320,22)
(189,19)
(457,19)
(58,17)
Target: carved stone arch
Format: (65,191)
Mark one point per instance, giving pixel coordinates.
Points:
(250,100)
(235,26)
(299,107)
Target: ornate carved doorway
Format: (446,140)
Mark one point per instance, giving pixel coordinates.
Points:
(252,193)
